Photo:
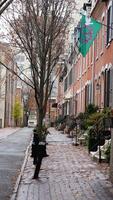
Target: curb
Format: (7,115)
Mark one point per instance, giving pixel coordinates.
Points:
(16,187)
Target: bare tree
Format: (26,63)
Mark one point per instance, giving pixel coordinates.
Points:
(39,30)
(4,4)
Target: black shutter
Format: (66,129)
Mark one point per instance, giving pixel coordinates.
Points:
(108,24)
(108,87)
(111,88)
(88,93)
(91,89)
(112,22)
(85,97)
(105,88)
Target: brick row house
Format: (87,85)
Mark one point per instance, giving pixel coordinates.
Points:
(89,79)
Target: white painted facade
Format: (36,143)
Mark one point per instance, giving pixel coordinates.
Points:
(7,86)
(2,90)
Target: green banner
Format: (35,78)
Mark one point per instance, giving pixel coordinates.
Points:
(88,32)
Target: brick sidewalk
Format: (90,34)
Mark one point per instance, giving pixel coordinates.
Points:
(4,132)
(67,174)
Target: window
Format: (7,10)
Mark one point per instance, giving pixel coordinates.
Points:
(106,88)
(102,35)
(88,94)
(84,63)
(88,59)
(91,49)
(71,107)
(70,77)
(65,84)
(97,44)
(111,88)
(109,24)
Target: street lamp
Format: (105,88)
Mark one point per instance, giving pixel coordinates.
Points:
(76,132)
(98,88)
(107,123)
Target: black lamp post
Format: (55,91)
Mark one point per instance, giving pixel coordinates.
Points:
(98,139)
(99,147)
(75,132)
(107,123)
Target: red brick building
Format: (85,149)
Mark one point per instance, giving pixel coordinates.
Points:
(90,78)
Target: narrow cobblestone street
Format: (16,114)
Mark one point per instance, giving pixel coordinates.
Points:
(67,174)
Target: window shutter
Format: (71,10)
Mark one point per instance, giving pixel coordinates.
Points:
(112,22)
(111,88)
(107,35)
(108,87)
(89,86)
(108,25)
(86,96)
(105,88)
(90,93)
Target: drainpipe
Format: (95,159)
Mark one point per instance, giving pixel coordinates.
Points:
(81,67)
(5,110)
(93,68)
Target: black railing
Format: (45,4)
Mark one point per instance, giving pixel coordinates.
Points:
(101,131)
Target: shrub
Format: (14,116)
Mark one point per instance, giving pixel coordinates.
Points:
(92,140)
(60,119)
(91,108)
(42,133)
(94,118)
(82,120)
(17,113)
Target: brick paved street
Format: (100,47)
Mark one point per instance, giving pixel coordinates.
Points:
(67,174)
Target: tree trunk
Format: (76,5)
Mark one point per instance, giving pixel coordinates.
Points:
(111,157)
(16,122)
(40,122)
(37,169)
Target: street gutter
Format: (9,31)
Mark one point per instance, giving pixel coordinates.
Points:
(16,187)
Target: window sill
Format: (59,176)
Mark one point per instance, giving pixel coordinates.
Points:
(101,53)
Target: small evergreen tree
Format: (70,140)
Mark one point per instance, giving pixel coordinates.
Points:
(17,112)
